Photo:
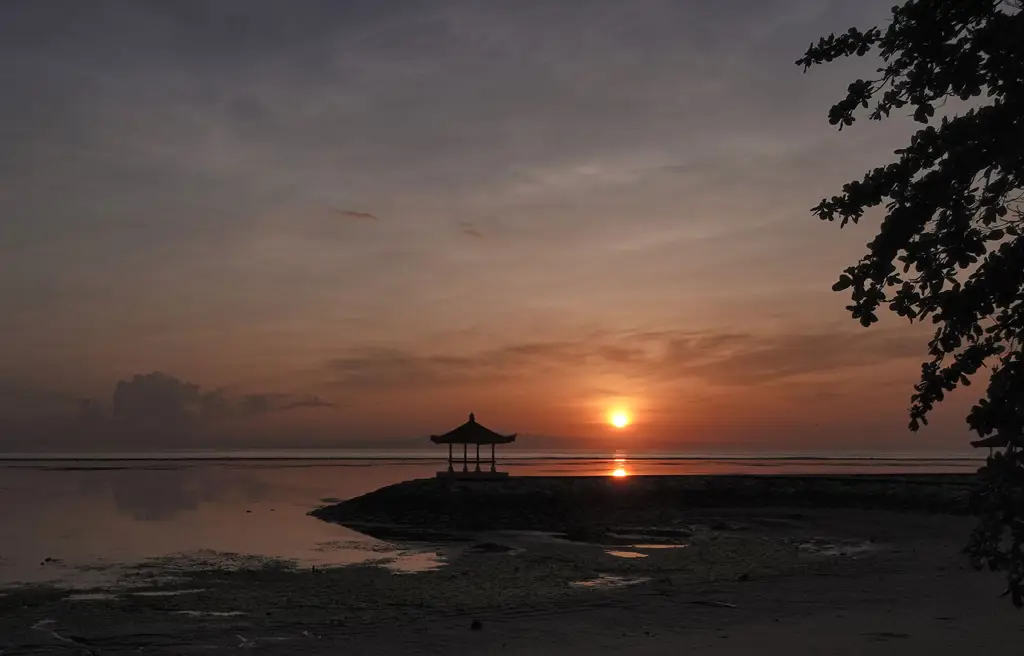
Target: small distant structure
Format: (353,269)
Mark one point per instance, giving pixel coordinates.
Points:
(466,434)
(997,441)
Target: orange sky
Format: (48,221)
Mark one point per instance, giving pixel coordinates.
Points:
(353,223)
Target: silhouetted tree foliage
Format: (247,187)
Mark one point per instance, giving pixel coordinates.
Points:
(950,248)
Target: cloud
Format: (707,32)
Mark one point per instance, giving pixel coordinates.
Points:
(160,399)
(307,402)
(351,214)
(468,228)
(255,405)
(723,359)
(376,369)
(740,359)
(149,406)
(157,400)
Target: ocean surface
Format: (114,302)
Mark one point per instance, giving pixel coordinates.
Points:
(89,519)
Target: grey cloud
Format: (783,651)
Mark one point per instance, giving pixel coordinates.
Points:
(161,399)
(726,359)
(352,214)
(469,229)
(377,369)
(740,359)
(310,401)
(255,405)
(150,406)
(216,404)
(157,400)
(253,104)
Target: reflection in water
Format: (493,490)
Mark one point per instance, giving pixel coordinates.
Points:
(153,496)
(78,525)
(75,521)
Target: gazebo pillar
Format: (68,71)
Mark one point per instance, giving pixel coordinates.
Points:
(465,461)
(477,456)
(450,468)
(492,458)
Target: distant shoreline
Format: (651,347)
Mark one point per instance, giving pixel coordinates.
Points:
(376,455)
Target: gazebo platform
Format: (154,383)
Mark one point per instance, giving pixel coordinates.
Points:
(472,475)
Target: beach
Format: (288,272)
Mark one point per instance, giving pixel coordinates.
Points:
(902,589)
(725,578)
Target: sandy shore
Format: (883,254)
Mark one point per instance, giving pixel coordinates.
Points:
(716,581)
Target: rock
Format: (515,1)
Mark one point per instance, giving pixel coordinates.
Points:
(743,578)
(476,625)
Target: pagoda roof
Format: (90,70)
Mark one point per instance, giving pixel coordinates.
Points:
(993,441)
(472,433)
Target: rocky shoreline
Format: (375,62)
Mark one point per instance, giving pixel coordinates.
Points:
(593,502)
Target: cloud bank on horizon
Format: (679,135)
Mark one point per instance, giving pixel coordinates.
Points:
(531,210)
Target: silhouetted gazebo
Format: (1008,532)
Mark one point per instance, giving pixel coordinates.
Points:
(997,441)
(471,433)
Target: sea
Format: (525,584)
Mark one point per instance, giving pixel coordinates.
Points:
(85,519)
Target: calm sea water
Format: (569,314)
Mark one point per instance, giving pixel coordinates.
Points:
(80,519)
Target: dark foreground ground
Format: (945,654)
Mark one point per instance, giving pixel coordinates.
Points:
(740,580)
(593,503)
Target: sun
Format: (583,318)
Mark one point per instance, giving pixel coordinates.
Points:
(620,473)
(619,419)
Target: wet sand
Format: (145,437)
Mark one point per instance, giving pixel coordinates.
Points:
(717,580)
(835,582)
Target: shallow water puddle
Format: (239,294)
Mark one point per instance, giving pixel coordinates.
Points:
(413,562)
(606,581)
(167,593)
(626,554)
(383,554)
(209,613)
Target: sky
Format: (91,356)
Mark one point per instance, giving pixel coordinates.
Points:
(322,223)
